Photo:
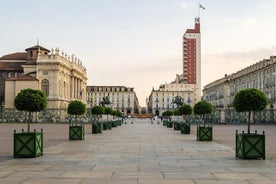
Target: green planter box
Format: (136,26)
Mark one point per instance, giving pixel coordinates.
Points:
(176,125)
(27,144)
(114,123)
(76,132)
(105,126)
(169,124)
(165,122)
(185,128)
(119,123)
(204,133)
(250,146)
(97,127)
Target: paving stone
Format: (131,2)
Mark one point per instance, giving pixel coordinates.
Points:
(86,174)
(164,181)
(52,181)
(138,153)
(240,176)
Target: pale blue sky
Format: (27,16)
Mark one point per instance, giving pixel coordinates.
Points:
(138,43)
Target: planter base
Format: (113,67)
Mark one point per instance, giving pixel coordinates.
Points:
(250,146)
(76,132)
(185,128)
(204,133)
(27,144)
(97,127)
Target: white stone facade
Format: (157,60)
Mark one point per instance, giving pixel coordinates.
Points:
(122,98)
(60,77)
(260,75)
(161,99)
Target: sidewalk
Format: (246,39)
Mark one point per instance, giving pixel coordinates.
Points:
(139,153)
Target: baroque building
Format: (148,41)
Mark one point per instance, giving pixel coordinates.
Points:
(122,98)
(61,77)
(260,75)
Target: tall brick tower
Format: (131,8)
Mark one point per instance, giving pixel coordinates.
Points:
(192,55)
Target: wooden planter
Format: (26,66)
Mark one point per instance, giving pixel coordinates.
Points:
(204,133)
(119,123)
(97,127)
(250,146)
(27,144)
(185,128)
(114,123)
(76,132)
(176,125)
(169,124)
(105,126)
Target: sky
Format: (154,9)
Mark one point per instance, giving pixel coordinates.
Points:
(138,43)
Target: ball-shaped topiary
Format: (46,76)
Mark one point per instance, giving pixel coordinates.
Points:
(248,100)
(30,100)
(203,107)
(97,110)
(76,108)
(185,109)
(167,113)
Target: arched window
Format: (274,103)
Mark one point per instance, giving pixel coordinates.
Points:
(45,86)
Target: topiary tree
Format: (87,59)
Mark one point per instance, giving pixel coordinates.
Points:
(248,100)
(76,108)
(30,100)
(176,112)
(108,111)
(202,108)
(185,110)
(118,113)
(97,110)
(167,113)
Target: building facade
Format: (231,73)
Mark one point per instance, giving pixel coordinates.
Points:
(161,99)
(260,75)
(122,98)
(192,55)
(188,84)
(61,77)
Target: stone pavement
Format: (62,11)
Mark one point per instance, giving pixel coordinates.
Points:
(139,153)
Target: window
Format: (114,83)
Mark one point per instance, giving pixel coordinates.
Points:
(45,87)
(45,72)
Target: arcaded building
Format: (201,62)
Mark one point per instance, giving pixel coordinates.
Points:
(121,97)
(261,75)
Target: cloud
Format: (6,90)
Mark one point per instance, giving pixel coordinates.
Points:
(214,66)
(249,22)
(184,6)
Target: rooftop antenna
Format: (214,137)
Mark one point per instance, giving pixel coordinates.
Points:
(37,41)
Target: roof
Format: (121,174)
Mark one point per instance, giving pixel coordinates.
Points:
(22,78)
(11,66)
(15,56)
(36,47)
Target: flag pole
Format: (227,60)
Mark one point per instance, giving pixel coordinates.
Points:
(198,10)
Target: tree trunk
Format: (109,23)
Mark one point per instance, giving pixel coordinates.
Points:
(248,125)
(29,122)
